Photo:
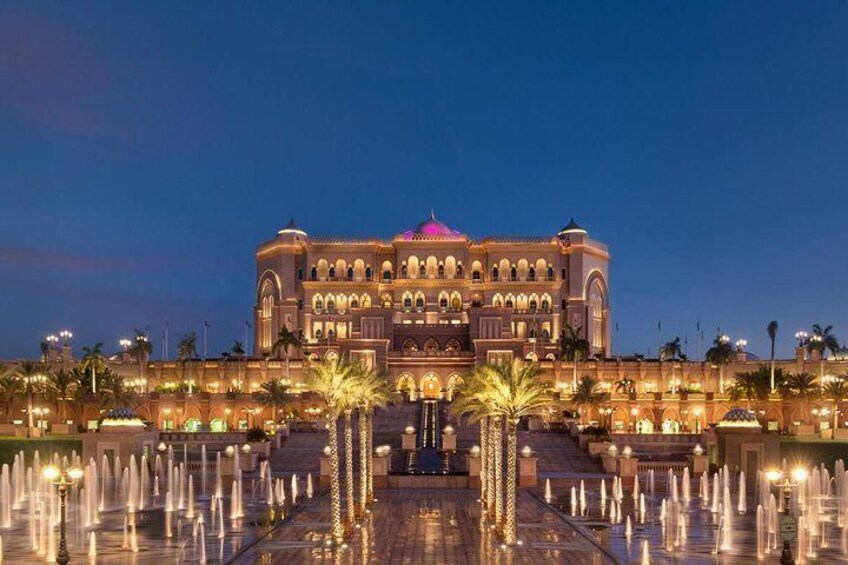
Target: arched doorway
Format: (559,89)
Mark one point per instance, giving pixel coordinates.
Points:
(454,382)
(431,386)
(406,386)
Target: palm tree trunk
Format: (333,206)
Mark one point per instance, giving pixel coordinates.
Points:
(349,487)
(721,378)
(498,469)
(363,461)
(370,418)
(288,366)
(484,454)
(511,448)
(29,414)
(335,487)
(490,469)
(771,370)
(574,374)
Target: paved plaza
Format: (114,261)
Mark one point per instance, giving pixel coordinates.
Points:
(412,526)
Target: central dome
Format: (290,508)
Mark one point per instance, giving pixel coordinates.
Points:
(431,227)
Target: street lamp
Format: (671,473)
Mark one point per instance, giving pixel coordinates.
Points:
(801,336)
(63,479)
(741,344)
(725,339)
(124,343)
(66,336)
(52,340)
(788,524)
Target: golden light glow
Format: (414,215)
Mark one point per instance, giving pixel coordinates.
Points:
(774,475)
(75,473)
(799,474)
(50,472)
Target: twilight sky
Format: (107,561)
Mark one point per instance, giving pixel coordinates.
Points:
(147,148)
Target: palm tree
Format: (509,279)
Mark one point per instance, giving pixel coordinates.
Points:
(772,333)
(800,386)
(61,387)
(94,362)
(837,391)
(588,393)
(114,393)
(32,376)
(237,351)
(332,381)
(516,393)
(372,392)
(273,394)
(472,401)
(11,388)
(186,351)
(573,348)
(753,386)
(822,340)
(721,353)
(141,350)
(671,350)
(625,386)
(286,339)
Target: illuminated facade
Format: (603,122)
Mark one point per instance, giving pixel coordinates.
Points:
(429,303)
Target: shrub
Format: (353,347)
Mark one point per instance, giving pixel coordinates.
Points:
(257,434)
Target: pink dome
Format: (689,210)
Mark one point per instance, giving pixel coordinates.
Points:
(431,228)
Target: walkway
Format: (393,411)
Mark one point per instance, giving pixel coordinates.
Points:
(426,526)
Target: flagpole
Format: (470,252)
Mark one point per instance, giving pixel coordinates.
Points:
(166,340)
(659,331)
(205,325)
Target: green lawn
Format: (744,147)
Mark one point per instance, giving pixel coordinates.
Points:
(10,445)
(813,451)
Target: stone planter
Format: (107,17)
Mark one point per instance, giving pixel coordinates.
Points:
(527,477)
(626,467)
(381,472)
(840,433)
(261,448)
(598,448)
(608,463)
(60,429)
(407,441)
(826,434)
(802,430)
(698,463)
(449,442)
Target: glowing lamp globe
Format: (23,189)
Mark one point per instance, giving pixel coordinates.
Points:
(50,472)
(327,450)
(448,430)
(613,450)
(245,448)
(75,473)
(698,450)
(526,451)
(474,451)
(230,451)
(162,448)
(409,430)
(627,452)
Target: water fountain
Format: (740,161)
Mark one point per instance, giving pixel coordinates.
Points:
(548,494)
(310,492)
(294,489)
(742,505)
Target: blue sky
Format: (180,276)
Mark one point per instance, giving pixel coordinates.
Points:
(145,149)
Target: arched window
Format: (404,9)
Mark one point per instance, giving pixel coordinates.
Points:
(550,273)
(596,306)
(509,302)
(495,276)
(366,301)
(533,305)
(386,300)
(410,345)
(313,274)
(403,271)
(318,302)
(407,302)
(513,274)
(546,335)
(563,274)
(452,346)
(443,302)
(419,302)
(299,274)
(331,305)
(387,275)
(367,273)
(354,302)
(319,334)
(440,273)
(350,273)
(459,272)
(300,303)
(422,271)
(545,305)
(330,334)
(531,274)
(497,301)
(475,275)
(332,273)
(431,345)
(456,302)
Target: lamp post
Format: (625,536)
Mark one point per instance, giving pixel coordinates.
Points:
(788,524)
(63,479)
(66,336)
